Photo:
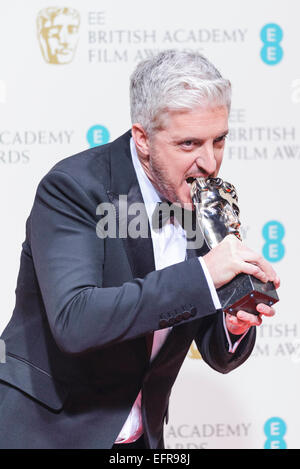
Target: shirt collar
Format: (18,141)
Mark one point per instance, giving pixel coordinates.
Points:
(149,193)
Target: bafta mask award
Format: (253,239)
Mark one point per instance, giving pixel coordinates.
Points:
(217,213)
(58,32)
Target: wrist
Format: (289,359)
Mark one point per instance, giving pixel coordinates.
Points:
(235,327)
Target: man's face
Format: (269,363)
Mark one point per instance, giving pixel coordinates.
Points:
(191,144)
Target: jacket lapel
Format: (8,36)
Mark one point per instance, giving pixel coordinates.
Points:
(123,193)
(139,250)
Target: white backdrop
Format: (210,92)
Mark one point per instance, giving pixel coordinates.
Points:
(49,110)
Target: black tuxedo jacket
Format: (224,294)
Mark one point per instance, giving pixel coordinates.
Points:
(76,342)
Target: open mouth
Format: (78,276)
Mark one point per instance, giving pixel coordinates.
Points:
(190,180)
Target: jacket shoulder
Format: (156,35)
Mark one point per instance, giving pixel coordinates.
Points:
(91,168)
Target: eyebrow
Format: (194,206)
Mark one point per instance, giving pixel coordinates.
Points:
(181,139)
(223,134)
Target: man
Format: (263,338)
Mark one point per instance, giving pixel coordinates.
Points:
(83,367)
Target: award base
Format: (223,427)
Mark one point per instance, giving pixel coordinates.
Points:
(245,292)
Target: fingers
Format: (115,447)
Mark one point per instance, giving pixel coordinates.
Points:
(243,321)
(249,319)
(253,319)
(264,268)
(262,309)
(265,310)
(254,270)
(231,257)
(239,324)
(276,282)
(255,264)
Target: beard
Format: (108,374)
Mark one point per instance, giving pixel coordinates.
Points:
(160,180)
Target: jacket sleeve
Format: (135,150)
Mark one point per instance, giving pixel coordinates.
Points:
(213,346)
(68,259)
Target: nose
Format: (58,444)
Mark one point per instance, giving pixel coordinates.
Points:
(63,36)
(206,160)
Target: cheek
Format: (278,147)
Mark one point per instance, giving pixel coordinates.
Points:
(185,165)
(176,170)
(219,158)
(53,42)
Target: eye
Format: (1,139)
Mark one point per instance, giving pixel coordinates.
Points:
(220,139)
(187,145)
(217,205)
(54,31)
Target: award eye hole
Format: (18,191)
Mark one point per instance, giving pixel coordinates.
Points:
(217,205)
(236,210)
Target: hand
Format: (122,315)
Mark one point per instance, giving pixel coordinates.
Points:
(242,321)
(231,257)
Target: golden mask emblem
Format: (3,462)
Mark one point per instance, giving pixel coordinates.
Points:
(58,32)
(193,352)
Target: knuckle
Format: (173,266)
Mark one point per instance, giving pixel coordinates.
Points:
(259,258)
(256,269)
(235,262)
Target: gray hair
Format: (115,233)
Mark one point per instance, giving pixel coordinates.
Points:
(174,80)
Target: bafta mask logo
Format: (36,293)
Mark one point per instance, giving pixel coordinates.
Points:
(58,30)
(194,352)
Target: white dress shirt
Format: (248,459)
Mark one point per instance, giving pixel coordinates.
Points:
(169,247)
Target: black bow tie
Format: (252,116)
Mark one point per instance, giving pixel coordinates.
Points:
(167,211)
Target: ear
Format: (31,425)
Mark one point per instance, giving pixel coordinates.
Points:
(141,140)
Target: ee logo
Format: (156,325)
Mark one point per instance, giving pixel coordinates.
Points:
(271,35)
(97,135)
(275,429)
(273,233)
